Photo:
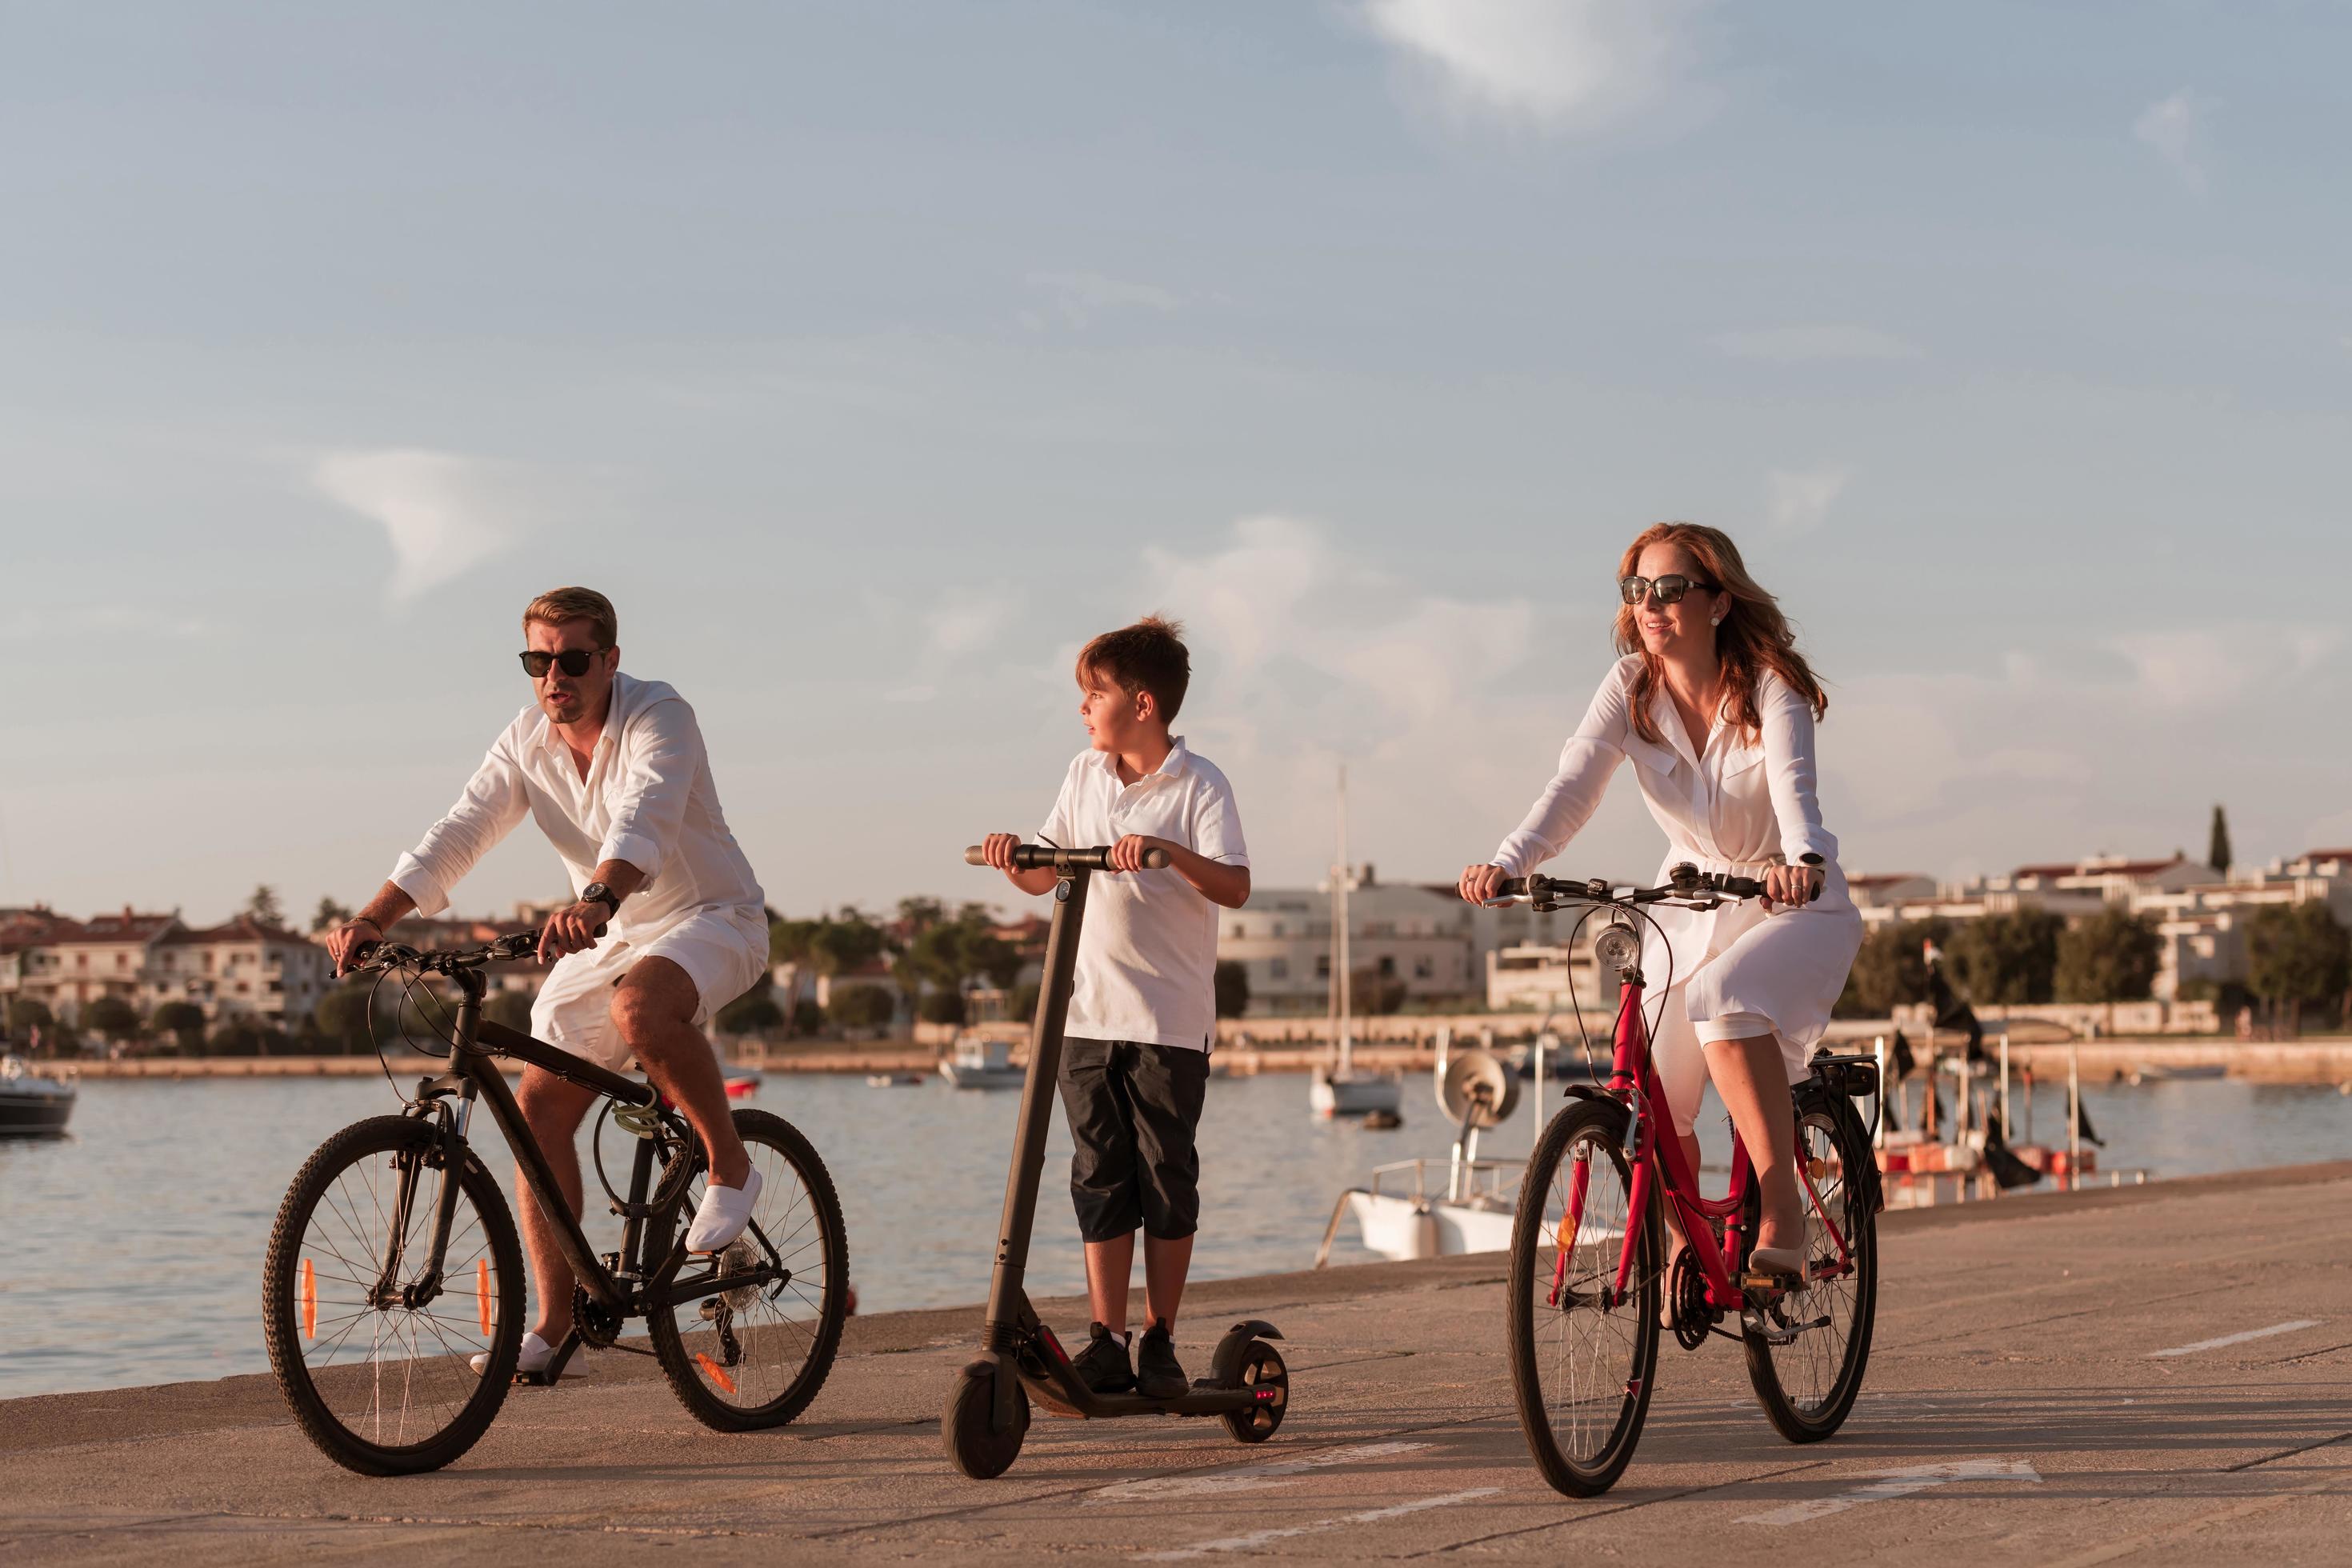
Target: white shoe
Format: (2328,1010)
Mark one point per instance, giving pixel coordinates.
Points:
(535,1354)
(722,1214)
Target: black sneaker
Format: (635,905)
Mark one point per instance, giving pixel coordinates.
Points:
(1102,1365)
(1157,1375)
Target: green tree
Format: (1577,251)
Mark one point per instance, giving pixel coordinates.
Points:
(2297,955)
(331,913)
(861,1007)
(1233,988)
(1371,993)
(1021,1006)
(184,1021)
(2217,849)
(1891,970)
(754,1011)
(509,1009)
(2006,958)
(941,1007)
(2111,956)
(342,1015)
(807,1016)
(945,952)
(244,1035)
(25,1015)
(111,1016)
(264,906)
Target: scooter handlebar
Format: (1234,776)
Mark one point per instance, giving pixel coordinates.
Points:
(1045,857)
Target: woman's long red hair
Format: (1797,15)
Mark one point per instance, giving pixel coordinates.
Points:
(1754,637)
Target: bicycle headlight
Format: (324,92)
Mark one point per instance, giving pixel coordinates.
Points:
(1617,947)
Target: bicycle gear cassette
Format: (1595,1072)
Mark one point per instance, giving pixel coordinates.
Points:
(598,1326)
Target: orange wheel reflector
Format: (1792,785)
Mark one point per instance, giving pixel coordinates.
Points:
(1817,1168)
(714,1371)
(310,1301)
(482,1294)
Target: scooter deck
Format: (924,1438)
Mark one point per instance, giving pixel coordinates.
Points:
(1195,1401)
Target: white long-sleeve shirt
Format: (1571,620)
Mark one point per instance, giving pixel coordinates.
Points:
(647,799)
(1738,806)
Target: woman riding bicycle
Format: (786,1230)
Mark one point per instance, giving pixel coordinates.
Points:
(1715,708)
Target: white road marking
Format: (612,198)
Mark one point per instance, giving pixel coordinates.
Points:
(1257,1538)
(1896,1484)
(1251,1477)
(2237,1338)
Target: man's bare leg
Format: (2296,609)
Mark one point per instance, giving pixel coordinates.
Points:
(1165,1264)
(552,1110)
(655,1005)
(1109,1266)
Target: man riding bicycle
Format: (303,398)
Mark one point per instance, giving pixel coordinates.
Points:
(613,771)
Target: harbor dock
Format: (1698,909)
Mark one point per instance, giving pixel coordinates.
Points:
(2142,1376)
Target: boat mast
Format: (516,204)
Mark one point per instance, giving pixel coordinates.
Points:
(1341,975)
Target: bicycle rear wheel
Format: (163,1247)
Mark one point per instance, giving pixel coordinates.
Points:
(1583,1356)
(754,1356)
(1808,1385)
(375,1362)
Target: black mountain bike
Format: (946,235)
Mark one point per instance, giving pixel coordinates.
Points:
(395,1264)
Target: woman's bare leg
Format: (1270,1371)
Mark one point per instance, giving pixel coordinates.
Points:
(1753,1082)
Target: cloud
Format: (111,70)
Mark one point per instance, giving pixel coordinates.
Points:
(2202,666)
(2175,128)
(1560,64)
(443,511)
(119,620)
(1802,498)
(1080,297)
(1792,345)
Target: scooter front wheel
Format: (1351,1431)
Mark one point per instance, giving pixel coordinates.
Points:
(968,1427)
(1268,1381)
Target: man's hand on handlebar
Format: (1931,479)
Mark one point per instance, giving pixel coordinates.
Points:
(344,941)
(1791,885)
(1479,881)
(571,929)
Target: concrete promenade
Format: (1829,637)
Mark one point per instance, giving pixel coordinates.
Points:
(2154,1375)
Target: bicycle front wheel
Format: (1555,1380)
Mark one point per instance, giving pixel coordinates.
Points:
(375,1356)
(1807,1351)
(754,1355)
(1583,1354)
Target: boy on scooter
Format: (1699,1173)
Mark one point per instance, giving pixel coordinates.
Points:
(1135,1057)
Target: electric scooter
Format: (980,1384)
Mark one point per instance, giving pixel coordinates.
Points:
(987,1411)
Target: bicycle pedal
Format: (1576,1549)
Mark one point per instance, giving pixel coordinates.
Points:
(1771,1282)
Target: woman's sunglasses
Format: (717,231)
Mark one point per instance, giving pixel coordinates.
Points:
(1669,588)
(572,661)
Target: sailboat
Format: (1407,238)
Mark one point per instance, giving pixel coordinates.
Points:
(1340,1087)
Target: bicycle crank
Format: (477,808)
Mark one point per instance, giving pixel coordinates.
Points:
(1785,1334)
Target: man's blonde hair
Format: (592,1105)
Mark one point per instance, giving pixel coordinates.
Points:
(558,605)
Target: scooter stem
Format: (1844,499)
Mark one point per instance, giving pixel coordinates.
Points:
(1008,1300)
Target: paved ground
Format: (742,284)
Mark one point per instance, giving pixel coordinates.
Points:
(2019,1411)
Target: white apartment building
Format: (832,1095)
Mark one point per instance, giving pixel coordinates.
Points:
(241,967)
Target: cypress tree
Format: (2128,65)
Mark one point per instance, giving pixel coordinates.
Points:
(2217,853)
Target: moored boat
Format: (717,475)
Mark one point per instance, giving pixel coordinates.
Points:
(32,1106)
(978,1063)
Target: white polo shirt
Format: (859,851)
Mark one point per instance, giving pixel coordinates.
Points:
(1148,955)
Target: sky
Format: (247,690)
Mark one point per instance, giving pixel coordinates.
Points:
(872,357)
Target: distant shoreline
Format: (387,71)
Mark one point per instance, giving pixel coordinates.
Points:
(2316,1062)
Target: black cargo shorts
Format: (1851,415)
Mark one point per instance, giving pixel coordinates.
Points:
(1133,1108)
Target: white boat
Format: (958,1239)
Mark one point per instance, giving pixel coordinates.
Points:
(1406,1212)
(1340,1087)
(32,1106)
(977,1063)
(2166,1073)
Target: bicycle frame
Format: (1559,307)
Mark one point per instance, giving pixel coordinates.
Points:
(631,1285)
(1659,1162)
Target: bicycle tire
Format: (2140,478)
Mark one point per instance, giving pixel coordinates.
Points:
(694,1372)
(1825,1120)
(289,1302)
(1597,1126)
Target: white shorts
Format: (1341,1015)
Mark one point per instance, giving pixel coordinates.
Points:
(722,951)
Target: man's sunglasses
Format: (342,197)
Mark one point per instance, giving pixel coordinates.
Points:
(572,661)
(1669,588)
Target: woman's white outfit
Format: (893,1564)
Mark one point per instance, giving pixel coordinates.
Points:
(1734,973)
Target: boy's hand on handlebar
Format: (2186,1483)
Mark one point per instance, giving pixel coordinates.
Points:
(1791,885)
(997,849)
(571,929)
(1479,881)
(1127,854)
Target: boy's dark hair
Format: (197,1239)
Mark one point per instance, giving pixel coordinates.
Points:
(1146,656)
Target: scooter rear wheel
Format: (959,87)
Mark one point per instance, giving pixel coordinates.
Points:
(1262,1369)
(966,1425)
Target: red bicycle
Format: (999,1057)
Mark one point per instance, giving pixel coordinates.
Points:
(1590,1281)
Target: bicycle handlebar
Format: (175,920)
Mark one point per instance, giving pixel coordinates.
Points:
(1045,857)
(448,960)
(1684,881)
